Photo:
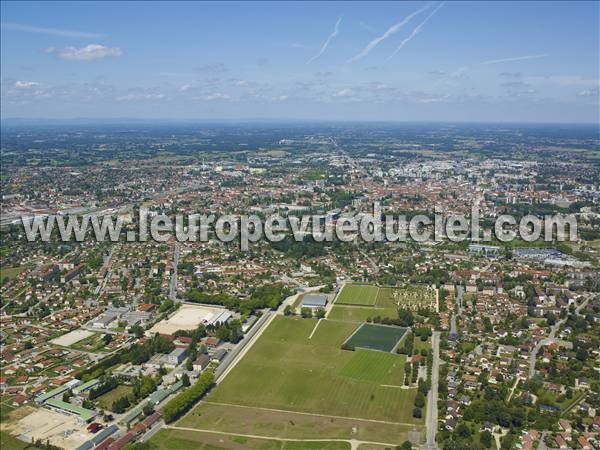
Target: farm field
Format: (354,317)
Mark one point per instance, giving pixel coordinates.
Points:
(177,439)
(358,294)
(290,386)
(376,337)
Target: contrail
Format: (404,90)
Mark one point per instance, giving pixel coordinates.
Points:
(390,31)
(416,31)
(50,31)
(329,39)
(516,58)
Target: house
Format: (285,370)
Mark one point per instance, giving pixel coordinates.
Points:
(201,362)
(565,425)
(176,357)
(561,442)
(584,443)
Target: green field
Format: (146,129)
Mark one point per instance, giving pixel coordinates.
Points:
(11,272)
(376,337)
(9,442)
(374,366)
(290,386)
(169,439)
(105,401)
(360,313)
(357,294)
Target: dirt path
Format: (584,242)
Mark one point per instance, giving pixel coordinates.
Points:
(354,443)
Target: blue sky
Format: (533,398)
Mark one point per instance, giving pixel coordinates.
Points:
(403,61)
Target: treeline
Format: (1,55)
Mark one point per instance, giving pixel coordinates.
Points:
(107,385)
(136,354)
(267,296)
(179,405)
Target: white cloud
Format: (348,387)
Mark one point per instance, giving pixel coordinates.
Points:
(515,58)
(389,32)
(214,96)
(49,31)
(25,84)
(594,92)
(140,97)
(344,93)
(88,53)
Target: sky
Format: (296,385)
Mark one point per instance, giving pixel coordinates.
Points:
(389,61)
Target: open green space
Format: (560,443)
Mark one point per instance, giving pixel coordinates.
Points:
(9,442)
(360,313)
(379,367)
(376,337)
(170,439)
(90,344)
(10,272)
(105,401)
(357,294)
(291,386)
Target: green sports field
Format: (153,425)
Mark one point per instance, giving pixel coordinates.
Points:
(290,386)
(376,337)
(357,294)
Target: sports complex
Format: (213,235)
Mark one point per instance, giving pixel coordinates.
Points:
(336,379)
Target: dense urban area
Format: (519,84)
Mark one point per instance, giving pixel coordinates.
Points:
(479,344)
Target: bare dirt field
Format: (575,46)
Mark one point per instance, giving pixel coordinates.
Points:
(72,337)
(60,429)
(187,317)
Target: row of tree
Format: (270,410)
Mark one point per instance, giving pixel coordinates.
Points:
(179,405)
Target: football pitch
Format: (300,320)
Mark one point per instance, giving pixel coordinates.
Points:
(376,337)
(358,294)
(290,386)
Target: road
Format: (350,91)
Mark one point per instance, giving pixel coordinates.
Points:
(432,397)
(173,283)
(549,339)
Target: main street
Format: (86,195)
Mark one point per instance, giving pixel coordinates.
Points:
(432,397)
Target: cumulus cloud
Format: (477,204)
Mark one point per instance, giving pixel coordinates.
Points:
(140,97)
(594,92)
(25,84)
(88,53)
(344,93)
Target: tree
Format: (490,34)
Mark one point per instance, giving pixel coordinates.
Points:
(417,413)
(137,330)
(306,313)
(185,380)
(148,409)
(486,439)
(419,400)
(463,430)
(288,310)
(406,445)
(107,338)
(320,313)
(189,365)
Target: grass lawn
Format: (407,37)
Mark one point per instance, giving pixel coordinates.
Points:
(183,439)
(105,401)
(11,272)
(357,294)
(377,337)
(9,442)
(91,344)
(360,313)
(379,367)
(286,372)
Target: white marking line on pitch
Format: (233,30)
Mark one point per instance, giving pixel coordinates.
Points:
(315,328)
